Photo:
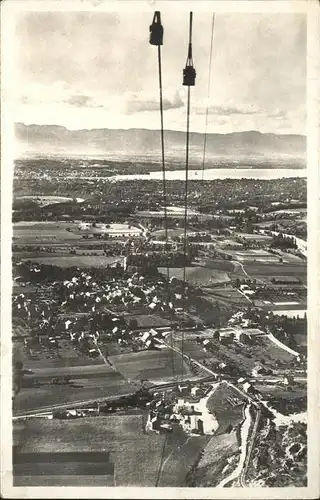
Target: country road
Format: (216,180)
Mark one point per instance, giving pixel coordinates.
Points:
(242,477)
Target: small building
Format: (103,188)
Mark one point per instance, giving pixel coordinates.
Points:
(288,380)
(93,353)
(247,387)
(155,423)
(258,370)
(196,425)
(227,335)
(196,391)
(166,427)
(183,388)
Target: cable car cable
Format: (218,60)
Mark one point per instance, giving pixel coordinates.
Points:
(156,38)
(189,76)
(208,97)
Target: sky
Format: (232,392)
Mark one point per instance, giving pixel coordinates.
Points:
(85,70)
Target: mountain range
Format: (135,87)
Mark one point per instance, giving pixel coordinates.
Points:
(53,139)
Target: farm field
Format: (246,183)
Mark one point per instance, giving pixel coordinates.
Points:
(65,480)
(114,229)
(136,455)
(83,261)
(227,404)
(194,350)
(75,372)
(286,400)
(43,201)
(83,389)
(299,310)
(217,264)
(163,364)
(42,225)
(180,453)
(198,275)
(267,271)
(31,235)
(253,237)
(269,352)
(208,471)
(66,356)
(227,296)
(264,352)
(172,233)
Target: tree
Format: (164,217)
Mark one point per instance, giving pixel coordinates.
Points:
(216,335)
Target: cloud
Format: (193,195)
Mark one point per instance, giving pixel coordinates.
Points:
(79,101)
(134,104)
(227,110)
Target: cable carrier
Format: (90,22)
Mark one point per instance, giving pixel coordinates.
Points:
(189,79)
(156,38)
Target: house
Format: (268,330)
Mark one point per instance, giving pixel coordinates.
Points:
(222,366)
(258,370)
(166,427)
(145,336)
(288,380)
(183,388)
(247,387)
(196,425)
(196,391)
(227,335)
(93,353)
(155,423)
(175,418)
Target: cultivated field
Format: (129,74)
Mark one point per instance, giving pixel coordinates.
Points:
(266,272)
(227,405)
(227,296)
(136,456)
(43,235)
(81,261)
(53,358)
(81,389)
(43,201)
(218,450)
(155,365)
(198,275)
(180,453)
(264,352)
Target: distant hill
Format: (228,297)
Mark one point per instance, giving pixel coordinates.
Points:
(51,139)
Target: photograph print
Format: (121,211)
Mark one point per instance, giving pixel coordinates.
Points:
(159,248)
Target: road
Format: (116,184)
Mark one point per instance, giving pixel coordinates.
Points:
(238,471)
(250,444)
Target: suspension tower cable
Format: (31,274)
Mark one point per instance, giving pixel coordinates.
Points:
(186,189)
(189,76)
(156,38)
(208,98)
(164,183)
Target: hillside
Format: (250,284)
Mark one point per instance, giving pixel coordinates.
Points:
(50,139)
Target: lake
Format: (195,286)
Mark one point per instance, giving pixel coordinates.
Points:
(219,173)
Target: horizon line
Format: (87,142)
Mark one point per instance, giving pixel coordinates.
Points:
(158,130)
